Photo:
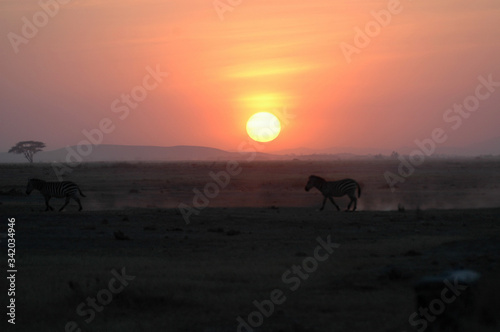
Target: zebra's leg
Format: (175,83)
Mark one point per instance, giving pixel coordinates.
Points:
(353,200)
(350,203)
(47,206)
(65,203)
(78,201)
(333,202)
(323,205)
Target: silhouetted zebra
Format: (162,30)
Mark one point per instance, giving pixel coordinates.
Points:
(331,189)
(62,189)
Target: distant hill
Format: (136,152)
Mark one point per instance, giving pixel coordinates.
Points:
(193,153)
(487,147)
(337,151)
(136,153)
(491,146)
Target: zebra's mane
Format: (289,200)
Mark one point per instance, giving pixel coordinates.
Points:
(317,178)
(36,182)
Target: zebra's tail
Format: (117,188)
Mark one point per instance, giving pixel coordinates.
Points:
(359,189)
(81,192)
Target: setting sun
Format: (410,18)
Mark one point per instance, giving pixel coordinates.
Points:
(263,127)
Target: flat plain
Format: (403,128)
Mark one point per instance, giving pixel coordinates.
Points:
(256,231)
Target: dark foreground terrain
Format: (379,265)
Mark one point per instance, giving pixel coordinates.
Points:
(261,239)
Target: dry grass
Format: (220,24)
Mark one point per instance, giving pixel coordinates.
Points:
(202,276)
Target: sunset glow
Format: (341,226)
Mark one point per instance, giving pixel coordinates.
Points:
(196,157)
(360,75)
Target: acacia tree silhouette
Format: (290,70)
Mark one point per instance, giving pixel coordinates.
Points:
(28,148)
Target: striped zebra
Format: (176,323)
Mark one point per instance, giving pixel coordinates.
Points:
(64,189)
(331,189)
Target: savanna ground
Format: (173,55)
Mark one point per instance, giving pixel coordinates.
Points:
(203,275)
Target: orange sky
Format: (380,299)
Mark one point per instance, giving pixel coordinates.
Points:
(282,56)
